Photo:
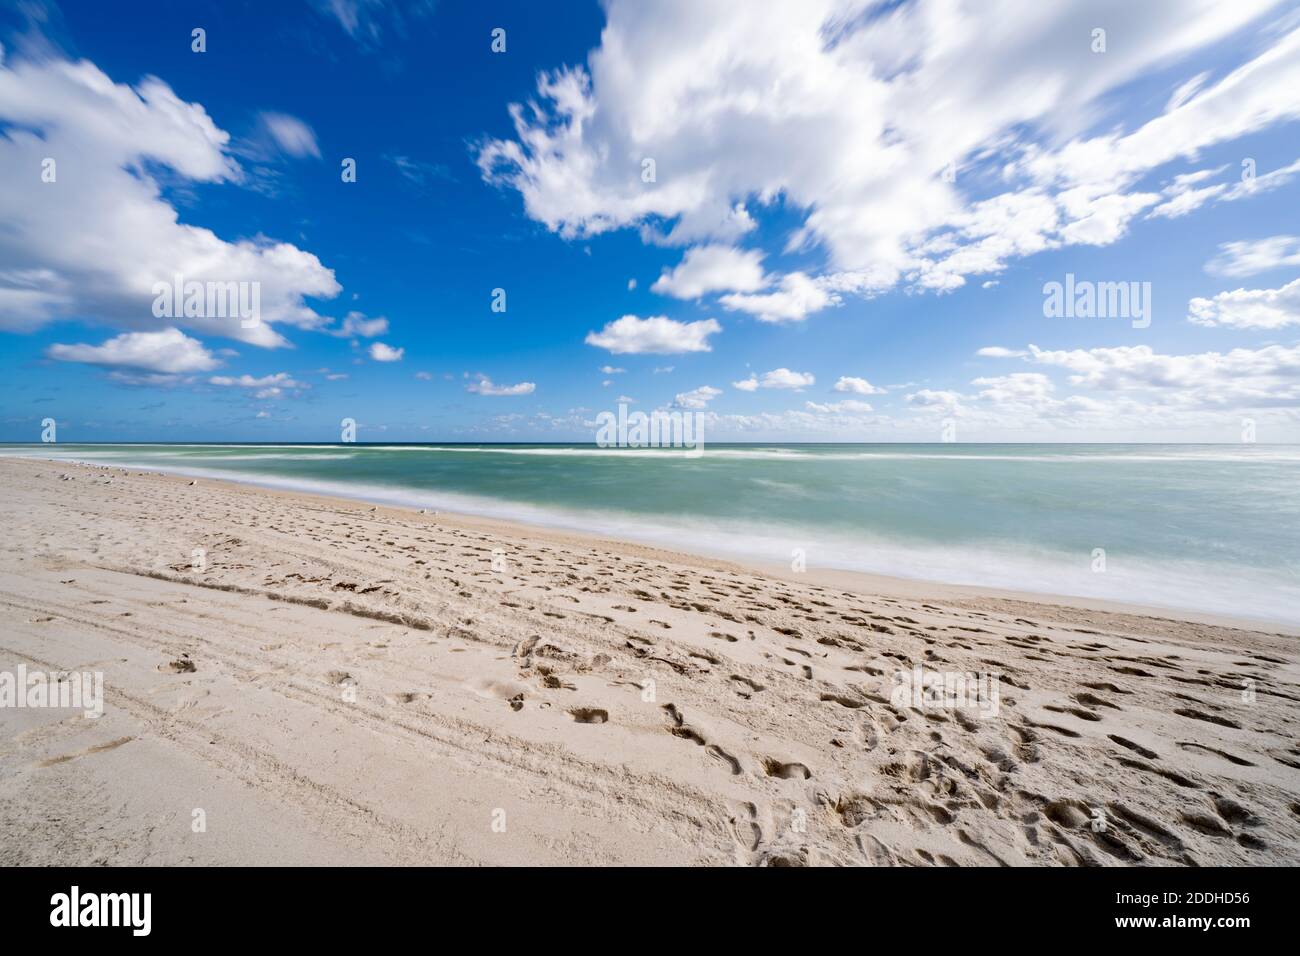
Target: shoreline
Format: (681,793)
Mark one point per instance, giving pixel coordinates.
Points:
(335,682)
(863,582)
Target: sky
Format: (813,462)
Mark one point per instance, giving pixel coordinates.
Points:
(836,220)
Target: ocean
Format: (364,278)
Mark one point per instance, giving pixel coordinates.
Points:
(1198,527)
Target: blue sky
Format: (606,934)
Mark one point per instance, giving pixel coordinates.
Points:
(805,265)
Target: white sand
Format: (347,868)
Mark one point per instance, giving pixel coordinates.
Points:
(366,688)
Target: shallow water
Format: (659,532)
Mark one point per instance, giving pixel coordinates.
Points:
(1201,527)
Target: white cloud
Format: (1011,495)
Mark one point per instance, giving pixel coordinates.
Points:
(368,21)
(94,242)
(169,351)
(485,386)
(291,134)
(1268,376)
(385,353)
(784,378)
(848,406)
(1185,199)
(712,268)
(857,386)
(1019,387)
(1186,91)
(847,115)
(356,325)
(1249,308)
(777,378)
(697,398)
(267,386)
(611,370)
(420,172)
(657,335)
(1249,257)
(796,297)
(943,400)
(1248,99)
(283,379)
(997,351)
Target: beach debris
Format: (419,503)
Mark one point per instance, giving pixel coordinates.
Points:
(193,483)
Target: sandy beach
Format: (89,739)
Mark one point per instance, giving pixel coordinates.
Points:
(304,680)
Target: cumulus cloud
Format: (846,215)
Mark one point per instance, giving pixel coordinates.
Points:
(850,116)
(777,378)
(169,351)
(1249,308)
(1017,387)
(656,335)
(1132,389)
(712,268)
(934,398)
(697,398)
(485,386)
(1268,376)
(795,298)
(857,386)
(266,386)
(998,351)
(94,242)
(385,353)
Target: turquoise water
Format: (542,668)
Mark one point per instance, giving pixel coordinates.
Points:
(1204,527)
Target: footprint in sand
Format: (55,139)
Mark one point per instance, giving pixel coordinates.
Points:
(182,665)
(512,692)
(681,729)
(746,828)
(410,697)
(745,687)
(785,771)
(1135,747)
(1231,758)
